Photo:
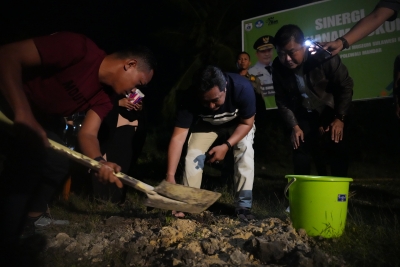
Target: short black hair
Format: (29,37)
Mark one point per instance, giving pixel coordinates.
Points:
(146,58)
(287,33)
(241,53)
(208,77)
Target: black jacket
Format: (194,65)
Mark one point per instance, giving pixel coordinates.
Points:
(329,81)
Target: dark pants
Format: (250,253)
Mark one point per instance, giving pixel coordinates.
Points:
(319,148)
(29,179)
(119,150)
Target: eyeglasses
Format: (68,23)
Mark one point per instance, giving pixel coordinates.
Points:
(291,53)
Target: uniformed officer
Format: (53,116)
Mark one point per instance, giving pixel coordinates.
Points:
(263,68)
(243,64)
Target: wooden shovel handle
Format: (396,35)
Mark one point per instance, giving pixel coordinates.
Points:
(88,162)
(95,165)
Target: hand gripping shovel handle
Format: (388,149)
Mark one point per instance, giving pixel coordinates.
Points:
(95,165)
(88,162)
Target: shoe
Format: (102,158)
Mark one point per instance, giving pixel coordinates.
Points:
(244,214)
(34,225)
(46,220)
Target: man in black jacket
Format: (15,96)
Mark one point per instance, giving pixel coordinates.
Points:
(314,97)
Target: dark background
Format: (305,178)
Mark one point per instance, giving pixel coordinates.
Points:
(119,23)
(115,24)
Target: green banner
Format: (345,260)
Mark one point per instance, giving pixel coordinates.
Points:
(370,61)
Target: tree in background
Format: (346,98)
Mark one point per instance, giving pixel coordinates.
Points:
(205,32)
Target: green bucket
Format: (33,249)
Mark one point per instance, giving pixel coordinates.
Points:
(318,204)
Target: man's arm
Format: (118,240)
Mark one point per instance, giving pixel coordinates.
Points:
(89,144)
(242,129)
(362,28)
(338,75)
(283,101)
(14,58)
(174,151)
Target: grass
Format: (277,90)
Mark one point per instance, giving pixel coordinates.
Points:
(373,224)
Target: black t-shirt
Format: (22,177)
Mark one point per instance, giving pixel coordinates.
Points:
(239,103)
(392,4)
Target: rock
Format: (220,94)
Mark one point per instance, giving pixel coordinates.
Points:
(71,247)
(270,251)
(320,258)
(83,239)
(62,238)
(237,258)
(185,226)
(133,259)
(176,262)
(302,232)
(209,246)
(96,250)
(303,261)
(169,235)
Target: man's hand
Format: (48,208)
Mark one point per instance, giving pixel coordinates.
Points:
(336,130)
(334,47)
(124,102)
(297,136)
(106,173)
(218,153)
(21,125)
(170,178)
(138,106)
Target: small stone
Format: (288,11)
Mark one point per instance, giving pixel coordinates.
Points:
(302,232)
(237,257)
(62,238)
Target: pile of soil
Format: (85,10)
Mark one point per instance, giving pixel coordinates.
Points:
(201,240)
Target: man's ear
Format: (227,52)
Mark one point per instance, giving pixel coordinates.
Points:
(130,63)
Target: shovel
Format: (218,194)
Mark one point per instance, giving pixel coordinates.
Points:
(166,195)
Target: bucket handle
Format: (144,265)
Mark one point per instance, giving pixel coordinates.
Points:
(288,185)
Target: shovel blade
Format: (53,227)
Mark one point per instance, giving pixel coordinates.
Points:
(182,198)
(161,202)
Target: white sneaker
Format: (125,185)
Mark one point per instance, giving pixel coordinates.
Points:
(46,220)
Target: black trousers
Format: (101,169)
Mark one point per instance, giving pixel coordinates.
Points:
(319,148)
(119,150)
(30,177)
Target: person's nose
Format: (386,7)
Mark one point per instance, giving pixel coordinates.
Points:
(211,105)
(288,58)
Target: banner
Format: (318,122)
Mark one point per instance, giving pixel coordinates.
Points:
(370,61)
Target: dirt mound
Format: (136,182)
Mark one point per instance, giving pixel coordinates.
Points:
(206,240)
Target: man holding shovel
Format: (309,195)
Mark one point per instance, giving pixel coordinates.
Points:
(41,80)
(219,104)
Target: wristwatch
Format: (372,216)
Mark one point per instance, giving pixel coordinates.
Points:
(340,117)
(344,42)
